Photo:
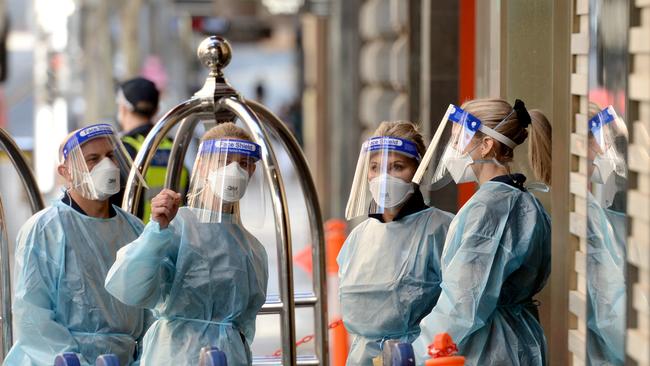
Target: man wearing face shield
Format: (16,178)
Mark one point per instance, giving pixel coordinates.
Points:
(606,231)
(497,254)
(389,266)
(197,267)
(63,254)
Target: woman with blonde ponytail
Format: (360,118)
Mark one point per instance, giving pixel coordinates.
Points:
(497,253)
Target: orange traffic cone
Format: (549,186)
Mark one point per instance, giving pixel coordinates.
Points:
(335,237)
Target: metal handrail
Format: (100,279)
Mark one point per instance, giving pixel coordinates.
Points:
(25,172)
(275,125)
(36,203)
(7,331)
(275,361)
(179,149)
(281,213)
(274,306)
(143,158)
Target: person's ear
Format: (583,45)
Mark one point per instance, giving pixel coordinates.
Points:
(64,172)
(487,145)
(121,112)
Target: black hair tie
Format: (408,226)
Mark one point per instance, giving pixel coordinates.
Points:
(522,113)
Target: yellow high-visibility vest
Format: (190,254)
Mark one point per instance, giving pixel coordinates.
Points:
(155,176)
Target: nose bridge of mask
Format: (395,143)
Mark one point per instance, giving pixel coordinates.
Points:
(105,163)
(235,168)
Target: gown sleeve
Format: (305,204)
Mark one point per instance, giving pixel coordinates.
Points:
(144,269)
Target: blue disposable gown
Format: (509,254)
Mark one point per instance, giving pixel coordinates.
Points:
(497,256)
(606,230)
(389,279)
(60,303)
(205,281)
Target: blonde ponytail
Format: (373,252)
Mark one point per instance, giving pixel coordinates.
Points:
(539,146)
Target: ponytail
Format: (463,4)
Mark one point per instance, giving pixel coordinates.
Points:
(539,146)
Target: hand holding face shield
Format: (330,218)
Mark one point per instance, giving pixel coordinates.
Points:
(382,180)
(452,160)
(605,150)
(95,162)
(220,178)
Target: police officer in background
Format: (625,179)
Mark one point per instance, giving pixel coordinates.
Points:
(137,103)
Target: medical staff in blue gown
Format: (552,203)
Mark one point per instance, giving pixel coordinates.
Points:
(62,256)
(389,266)
(606,239)
(497,254)
(197,267)
(605,285)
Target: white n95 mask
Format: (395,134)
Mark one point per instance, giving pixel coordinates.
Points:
(229,182)
(388,191)
(603,169)
(461,170)
(106,179)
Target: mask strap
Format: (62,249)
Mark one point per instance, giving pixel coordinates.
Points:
(490,161)
(538,187)
(69,197)
(504,119)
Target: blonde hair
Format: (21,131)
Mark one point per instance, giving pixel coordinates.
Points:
(226,130)
(402,129)
(492,112)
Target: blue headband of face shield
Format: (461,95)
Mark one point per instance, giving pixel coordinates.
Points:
(603,117)
(396,144)
(85,134)
(231,146)
(473,124)
(597,122)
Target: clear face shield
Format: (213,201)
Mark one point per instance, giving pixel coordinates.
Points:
(448,157)
(383,176)
(221,177)
(607,141)
(97,162)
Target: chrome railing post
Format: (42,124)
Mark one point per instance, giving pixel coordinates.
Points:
(24,171)
(142,160)
(276,126)
(36,202)
(282,228)
(177,154)
(5,291)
